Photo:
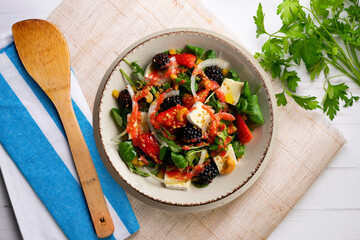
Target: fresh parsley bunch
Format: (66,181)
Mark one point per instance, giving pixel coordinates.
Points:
(327,33)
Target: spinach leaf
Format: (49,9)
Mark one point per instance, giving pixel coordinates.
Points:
(179,160)
(116,116)
(210,54)
(239,149)
(127,151)
(198,52)
(253,110)
(249,105)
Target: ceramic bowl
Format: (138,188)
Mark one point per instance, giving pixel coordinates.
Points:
(224,188)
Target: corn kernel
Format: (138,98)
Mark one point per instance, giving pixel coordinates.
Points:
(198,61)
(149,97)
(172,51)
(173,76)
(176,86)
(225,71)
(115,93)
(157,94)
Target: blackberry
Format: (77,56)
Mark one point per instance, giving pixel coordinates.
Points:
(161,61)
(170,102)
(190,133)
(124,99)
(209,173)
(214,73)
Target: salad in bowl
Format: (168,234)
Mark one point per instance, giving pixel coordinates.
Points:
(185,118)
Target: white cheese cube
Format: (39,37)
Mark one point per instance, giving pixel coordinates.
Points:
(183,185)
(226,163)
(199,117)
(232,90)
(144,127)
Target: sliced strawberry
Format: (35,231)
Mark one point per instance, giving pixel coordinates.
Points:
(170,117)
(243,132)
(150,146)
(189,100)
(185,59)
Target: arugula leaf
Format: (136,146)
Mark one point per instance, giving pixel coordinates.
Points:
(198,52)
(259,21)
(137,170)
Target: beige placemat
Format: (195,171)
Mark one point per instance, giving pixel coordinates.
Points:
(97,31)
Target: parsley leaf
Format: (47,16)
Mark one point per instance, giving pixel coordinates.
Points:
(259,21)
(325,34)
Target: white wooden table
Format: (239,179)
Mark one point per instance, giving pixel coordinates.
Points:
(331,207)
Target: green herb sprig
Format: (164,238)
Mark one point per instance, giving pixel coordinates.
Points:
(327,33)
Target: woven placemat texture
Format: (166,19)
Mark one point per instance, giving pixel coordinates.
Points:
(98,31)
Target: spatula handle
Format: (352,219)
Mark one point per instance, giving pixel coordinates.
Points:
(85,168)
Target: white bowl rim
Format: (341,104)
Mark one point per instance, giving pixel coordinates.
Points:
(213,203)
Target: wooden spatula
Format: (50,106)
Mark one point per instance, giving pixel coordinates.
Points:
(44,53)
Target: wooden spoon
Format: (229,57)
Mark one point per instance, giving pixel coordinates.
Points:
(44,53)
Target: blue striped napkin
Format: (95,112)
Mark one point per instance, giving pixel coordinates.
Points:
(33,137)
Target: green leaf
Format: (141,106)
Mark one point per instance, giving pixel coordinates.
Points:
(239,149)
(116,116)
(306,102)
(137,170)
(127,77)
(233,75)
(127,151)
(317,68)
(259,21)
(179,160)
(288,9)
(249,105)
(333,94)
(198,52)
(163,152)
(291,79)
(173,145)
(281,99)
(273,47)
(209,54)
(293,31)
